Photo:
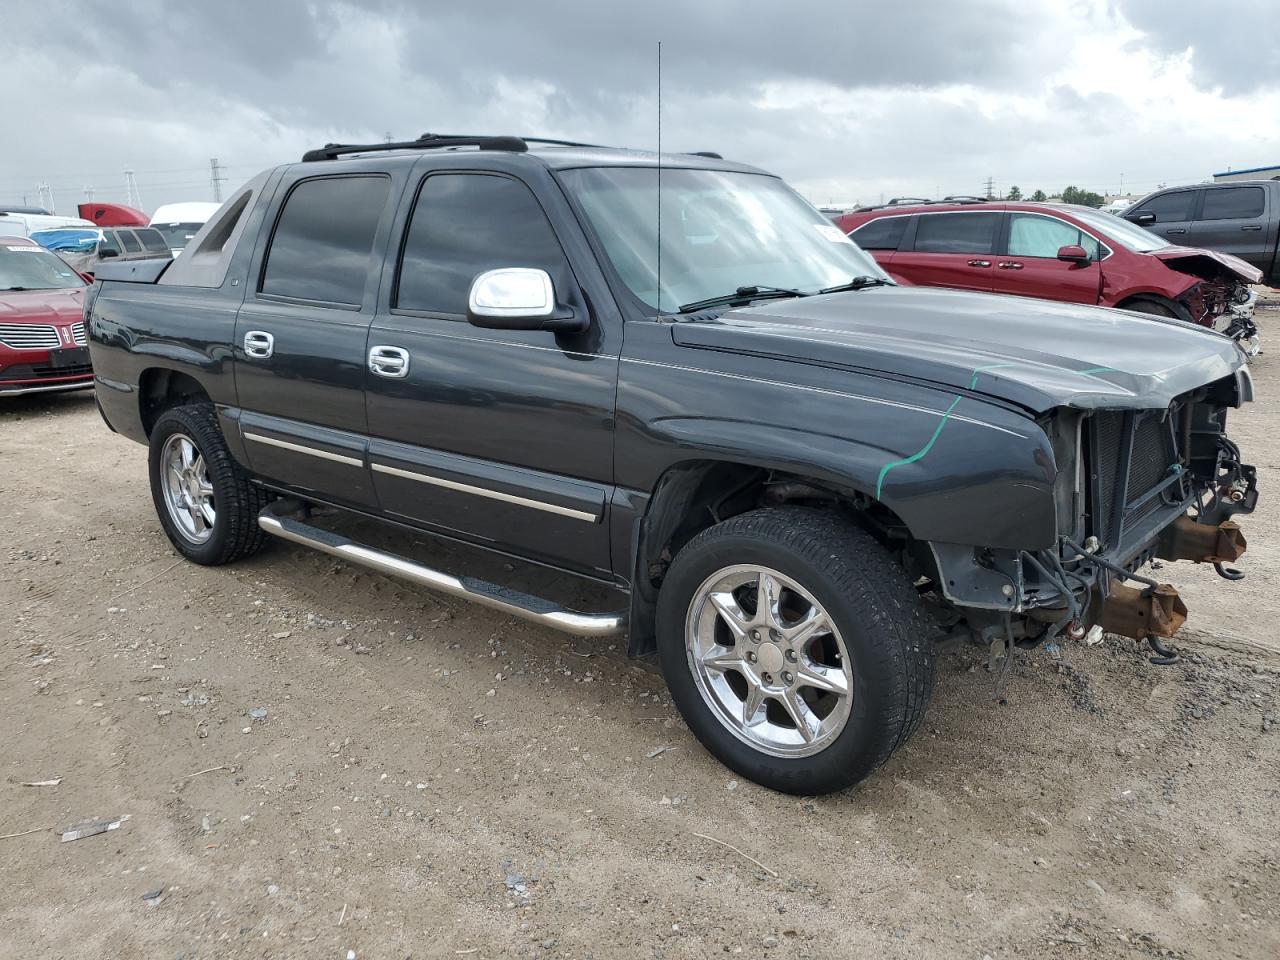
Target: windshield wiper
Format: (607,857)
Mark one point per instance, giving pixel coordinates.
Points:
(16,288)
(742,295)
(859,283)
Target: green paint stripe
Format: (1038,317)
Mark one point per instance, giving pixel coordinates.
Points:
(994,366)
(1093,370)
(919,453)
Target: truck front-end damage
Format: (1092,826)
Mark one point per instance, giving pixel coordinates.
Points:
(1132,486)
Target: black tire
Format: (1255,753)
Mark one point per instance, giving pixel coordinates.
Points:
(235,532)
(1154,308)
(886,629)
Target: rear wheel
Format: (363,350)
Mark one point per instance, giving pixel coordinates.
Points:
(795,648)
(205,502)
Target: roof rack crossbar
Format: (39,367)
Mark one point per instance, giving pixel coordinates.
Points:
(428,141)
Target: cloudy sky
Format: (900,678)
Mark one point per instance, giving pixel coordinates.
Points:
(849,100)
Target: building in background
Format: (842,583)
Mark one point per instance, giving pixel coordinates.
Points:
(1253,173)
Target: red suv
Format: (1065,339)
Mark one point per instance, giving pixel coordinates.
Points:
(42,337)
(1057,252)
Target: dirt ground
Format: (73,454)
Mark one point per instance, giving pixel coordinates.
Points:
(430,779)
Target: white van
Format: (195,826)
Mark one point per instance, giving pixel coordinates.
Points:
(179,222)
(15,224)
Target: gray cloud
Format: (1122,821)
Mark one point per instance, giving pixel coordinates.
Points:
(847,100)
(1235,47)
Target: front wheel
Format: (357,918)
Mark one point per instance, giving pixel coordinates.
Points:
(795,648)
(205,502)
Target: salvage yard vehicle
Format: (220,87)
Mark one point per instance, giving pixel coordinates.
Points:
(43,347)
(798,475)
(179,222)
(86,247)
(1058,252)
(1240,218)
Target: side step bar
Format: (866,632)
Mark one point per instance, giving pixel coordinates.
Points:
(273,520)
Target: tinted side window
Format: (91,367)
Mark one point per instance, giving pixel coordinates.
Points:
(1035,236)
(129,241)
(1232,203)
(323,240)
(882,234)
(463,225)
(1167,206)
(957,232)
(153,241)
(109,242)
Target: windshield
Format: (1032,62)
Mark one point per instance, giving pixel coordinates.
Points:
(27,266)
(721,231)
(177,235)
(1121,231)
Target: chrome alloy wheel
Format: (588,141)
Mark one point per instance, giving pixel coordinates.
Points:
(188,492)
(768,661)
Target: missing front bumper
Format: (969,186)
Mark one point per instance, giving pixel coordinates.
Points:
(1142,612)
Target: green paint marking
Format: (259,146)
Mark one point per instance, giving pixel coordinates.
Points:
(919,453)
(994,366)
(1093,370)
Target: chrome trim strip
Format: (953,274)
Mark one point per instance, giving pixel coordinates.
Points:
(490,595)
(485,492)
(53,388)
(299,448)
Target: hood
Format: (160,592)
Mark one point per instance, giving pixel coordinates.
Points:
(1035,353)
(1198,261)
(42,306)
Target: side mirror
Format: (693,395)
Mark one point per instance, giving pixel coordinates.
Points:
(108,254)
(1142,219)
(519,298)
(1074,253)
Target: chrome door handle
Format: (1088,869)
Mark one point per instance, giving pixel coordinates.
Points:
(1175,230)
(390,362)
(1252,226)
(259,344)
(979,263)
(1009,265)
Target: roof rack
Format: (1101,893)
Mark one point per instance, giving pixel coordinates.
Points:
(428,141)
(921,202)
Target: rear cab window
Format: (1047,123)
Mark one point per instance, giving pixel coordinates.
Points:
(957,232)
(129,241)
(1232,203)
(322,245)
(153,241)
(883,233)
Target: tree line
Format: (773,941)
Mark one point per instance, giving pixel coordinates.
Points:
(1086,198)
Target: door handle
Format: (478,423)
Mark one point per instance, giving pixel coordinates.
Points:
(390,362)
(1009,265)
(259,344)
(1252,226)
(1175,230)
(979,263)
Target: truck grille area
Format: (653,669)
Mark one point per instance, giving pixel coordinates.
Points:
(1135,469)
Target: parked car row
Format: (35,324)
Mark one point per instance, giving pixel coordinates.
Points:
(86,247)
(1058,252)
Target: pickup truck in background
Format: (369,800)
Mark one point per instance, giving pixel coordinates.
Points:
(794,475)
(1241,218)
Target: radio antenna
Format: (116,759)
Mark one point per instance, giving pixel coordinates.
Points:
(659,303)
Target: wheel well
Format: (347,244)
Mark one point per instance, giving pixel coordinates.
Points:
(692,496)
(160,389)
(1176,309)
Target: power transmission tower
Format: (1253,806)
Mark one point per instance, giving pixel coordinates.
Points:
(132,197)
(991,188)
(46,196)
(215,179)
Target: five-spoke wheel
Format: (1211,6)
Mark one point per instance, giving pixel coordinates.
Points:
(188,492)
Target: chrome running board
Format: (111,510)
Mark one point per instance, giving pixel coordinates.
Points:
(273,520)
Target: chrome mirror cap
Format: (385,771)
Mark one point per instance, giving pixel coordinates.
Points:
(512,292)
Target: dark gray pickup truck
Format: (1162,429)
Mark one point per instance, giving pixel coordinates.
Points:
(1241,218)
(673,377)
